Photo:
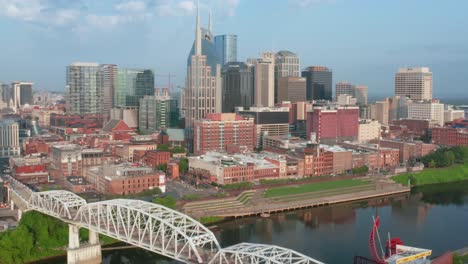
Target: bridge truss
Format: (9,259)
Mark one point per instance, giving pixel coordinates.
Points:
(150,226)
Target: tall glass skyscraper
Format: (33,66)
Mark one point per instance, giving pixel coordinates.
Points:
(83,92)
(319,83)
(238,86)
(132,85)
(226,48)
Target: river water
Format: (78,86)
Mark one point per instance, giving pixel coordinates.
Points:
(433,217)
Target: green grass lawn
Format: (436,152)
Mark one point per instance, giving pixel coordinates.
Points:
(454,173)
(313,187)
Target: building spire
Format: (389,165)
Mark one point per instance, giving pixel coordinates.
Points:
(198,32)
(210,24)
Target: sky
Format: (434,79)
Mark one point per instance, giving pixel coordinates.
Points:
(362,41)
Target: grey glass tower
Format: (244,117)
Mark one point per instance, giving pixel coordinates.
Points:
(319,83)
(238,83)
(132,85)
(226,48)
(83,93)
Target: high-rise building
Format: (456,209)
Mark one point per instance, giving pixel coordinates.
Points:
(269,121)
(226,48)
(219,132)
(415,83)
(292,89)
(361,94)
(157,112)
(431,110)
(238,86)
(132,85)
(22,94)
(9,138)
(380,111)
(107,80)
(331,125)
(286,64)
(264,77)
(319,83)
(344,88)
(83,92)
(452,114)
(203,92)
(5,96)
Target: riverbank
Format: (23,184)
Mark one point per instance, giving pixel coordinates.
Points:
(454,173)
(258,202)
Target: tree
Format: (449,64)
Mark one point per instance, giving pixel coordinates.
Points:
(183,165)
(178,149)
(167,201)
(163,147)
(162,167)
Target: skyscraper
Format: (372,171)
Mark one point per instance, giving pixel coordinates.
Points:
(319,83)
(238,86)
(361,94)
(5,96)
(132,85)
(415,83)
(203,92)
(22,94)
(226,48)
(9,138)
(292,89)
(156,112)
(107,81)
(264,76)
(286,64)
(344,88)
(83,93)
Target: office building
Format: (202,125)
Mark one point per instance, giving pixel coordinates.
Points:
(203,91)
(226,48)
(9,138)
(344,88)
(368,130)
(83,92)
(361,94)
(157,112)
(132,85)
(107,79)
(5,96)
(319,83)
(123,179)
(427,110)
(238,86)
(292,89)
(219,132)
(345,99)
(414,83)
(264,79)
(380,111)
(268,121)
(129,114)
(449,136)
(67,160)
(22,94)
(286,65)
(452,114)
(330,124)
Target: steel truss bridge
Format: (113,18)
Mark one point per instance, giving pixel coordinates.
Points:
(149,226)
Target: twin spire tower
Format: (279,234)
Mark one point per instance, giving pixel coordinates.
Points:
(203,93)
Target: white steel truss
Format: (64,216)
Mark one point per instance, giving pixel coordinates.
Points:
(260,253)
(60,204)
(152,227)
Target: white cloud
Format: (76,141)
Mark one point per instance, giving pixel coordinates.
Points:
(131,6)
(308,3)
(187,6)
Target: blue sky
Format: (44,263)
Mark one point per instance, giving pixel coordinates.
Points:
(363,41)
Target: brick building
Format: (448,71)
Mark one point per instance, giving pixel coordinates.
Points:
(125,179)
(78,184)
(29,170)
(67,160)
(408,150)
(449,136)
(219,131)
(172,171)
(330,125)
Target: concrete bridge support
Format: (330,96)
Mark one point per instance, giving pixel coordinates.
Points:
(89,253)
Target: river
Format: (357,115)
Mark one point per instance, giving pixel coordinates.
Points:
(433,217)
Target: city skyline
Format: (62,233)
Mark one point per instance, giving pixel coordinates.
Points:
(54,38)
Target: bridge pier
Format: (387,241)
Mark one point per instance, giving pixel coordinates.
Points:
(89,253)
